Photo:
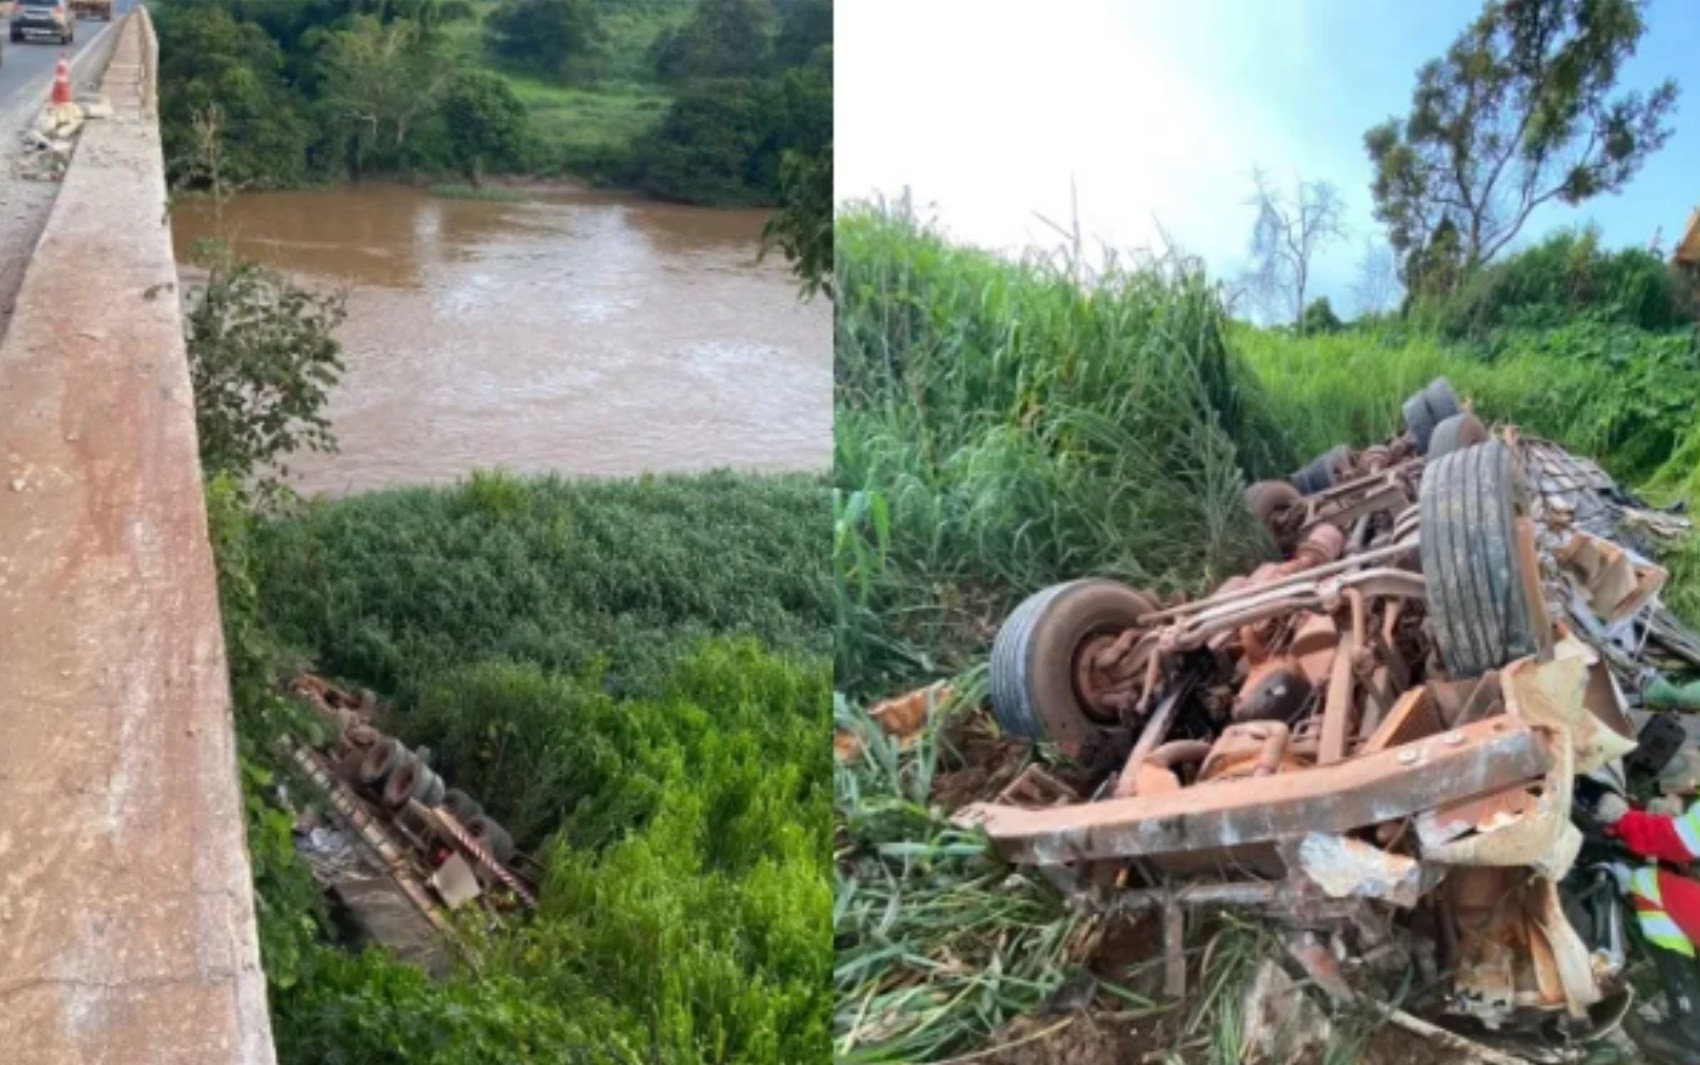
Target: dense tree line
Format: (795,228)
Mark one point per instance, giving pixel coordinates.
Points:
(325,89)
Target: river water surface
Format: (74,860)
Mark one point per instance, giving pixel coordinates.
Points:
(579,332)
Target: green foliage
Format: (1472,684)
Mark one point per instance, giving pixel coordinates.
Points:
(288,909)
(724,39)
(377,82)
(736,134)
(685,829)
(568,575)
(262,360)
(1024,424)
(485,120)
(208,59)
(543,36)
(802,227)
(938,943)
(1319,317)
(317,89)
(1519,111)
(1565,278)
(805,27)
(556,639)
(1620,394)
(706,927)
(374,1010)
(714,145)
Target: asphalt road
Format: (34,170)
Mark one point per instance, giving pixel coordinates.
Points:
(26,69)
(26,79)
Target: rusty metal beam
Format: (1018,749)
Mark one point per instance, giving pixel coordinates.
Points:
(1479,758)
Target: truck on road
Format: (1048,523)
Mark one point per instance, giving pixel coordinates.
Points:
(101,9)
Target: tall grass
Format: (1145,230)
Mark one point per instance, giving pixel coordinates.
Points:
(1616,393)
(938,943)
(1026,422)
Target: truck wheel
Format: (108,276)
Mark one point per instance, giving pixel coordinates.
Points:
(381,760)
(1032,674)
(1479,567)
(1456,433)
(1319,474)
(1428,407)
(492,837)
(1268,502)
(463,806)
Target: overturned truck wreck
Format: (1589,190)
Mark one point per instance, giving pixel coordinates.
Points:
(1374,742)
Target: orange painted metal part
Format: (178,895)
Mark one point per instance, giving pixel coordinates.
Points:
(1479,758)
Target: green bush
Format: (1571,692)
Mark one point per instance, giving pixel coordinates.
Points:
(704,921)
(393,587)
(1319,317)
(374,1010)
(714,145)
(485,123)
(543,36)
(1565,278)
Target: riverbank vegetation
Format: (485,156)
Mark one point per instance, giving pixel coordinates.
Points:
(633,676)
(699,101)
(648,726)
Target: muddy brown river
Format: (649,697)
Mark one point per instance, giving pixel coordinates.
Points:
(578,332)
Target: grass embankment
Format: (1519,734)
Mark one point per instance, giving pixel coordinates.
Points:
(587,128)
(630,675)
(1002,426)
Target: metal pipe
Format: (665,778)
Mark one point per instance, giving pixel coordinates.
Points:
(1154,732)
(1338,708)
(1274,748)
(1377,555)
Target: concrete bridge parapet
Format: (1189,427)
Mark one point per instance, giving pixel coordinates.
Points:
(127,930)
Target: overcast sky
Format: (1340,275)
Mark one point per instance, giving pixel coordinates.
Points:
(1157,109)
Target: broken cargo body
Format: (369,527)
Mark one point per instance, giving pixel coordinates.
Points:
(1377,738)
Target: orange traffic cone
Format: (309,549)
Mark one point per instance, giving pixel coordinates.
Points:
(62,82)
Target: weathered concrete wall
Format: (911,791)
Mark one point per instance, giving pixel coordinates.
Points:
(126,918)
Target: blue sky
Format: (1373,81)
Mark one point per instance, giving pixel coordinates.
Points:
(1157,111)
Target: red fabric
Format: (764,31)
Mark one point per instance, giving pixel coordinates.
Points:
(1652,836)
(1680,899)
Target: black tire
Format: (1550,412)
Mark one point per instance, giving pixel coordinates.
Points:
(1427,408)
(1456,433)
(380,761)
(1442,400)
(405,782)
(492,837)
(1266,499)
(1418,423)
(1477,605)
(1031,675)
(463,806)
(1317,475)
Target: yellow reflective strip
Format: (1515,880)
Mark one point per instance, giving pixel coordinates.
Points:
(1688,830)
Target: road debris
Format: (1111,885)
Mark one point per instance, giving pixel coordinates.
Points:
(1373,744)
